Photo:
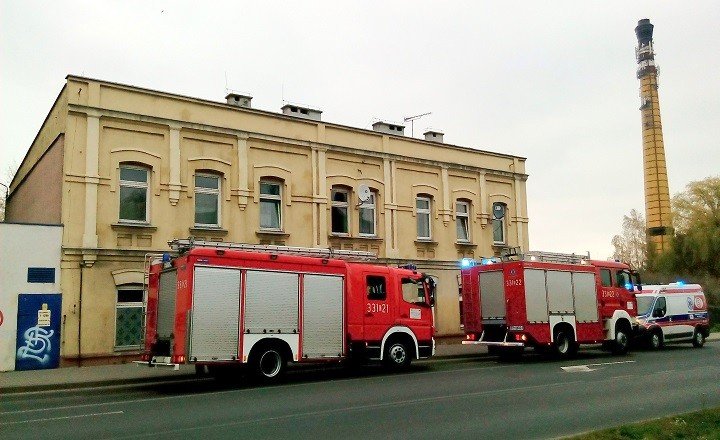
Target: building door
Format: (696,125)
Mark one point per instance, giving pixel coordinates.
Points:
(38,331)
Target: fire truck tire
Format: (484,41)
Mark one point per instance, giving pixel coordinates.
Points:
(698,338)
(397,356)
(622,340)
(655,340)
(565,345)
(268,362)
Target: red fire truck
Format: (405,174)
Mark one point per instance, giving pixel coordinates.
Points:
(548,300)
(219,305)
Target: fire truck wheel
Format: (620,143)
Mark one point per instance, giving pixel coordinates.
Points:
(397,355)
(699,338)
(565,345)
(655,341)
(268,362)
(622,341)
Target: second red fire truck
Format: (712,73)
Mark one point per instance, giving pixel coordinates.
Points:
(548,300)
(220,305)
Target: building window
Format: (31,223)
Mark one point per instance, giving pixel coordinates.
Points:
(129,315)
(462,221)
(339,212)
(207,200)
(422,211)
(133,194)
(498,222)
(270,203)
(367,216)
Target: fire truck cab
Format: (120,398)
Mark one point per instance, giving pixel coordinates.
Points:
(548,300)
(219,305)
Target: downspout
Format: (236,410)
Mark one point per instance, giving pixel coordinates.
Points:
(82,265)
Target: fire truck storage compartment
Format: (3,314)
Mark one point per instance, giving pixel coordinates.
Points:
(492,295)
(535,296)
(586,308)
(560,295)
(322,322)
(215,314)
(166,304)
(271,302)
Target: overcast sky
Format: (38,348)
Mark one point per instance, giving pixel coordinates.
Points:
(550,81)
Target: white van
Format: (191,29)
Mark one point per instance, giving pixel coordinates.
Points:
(672,312)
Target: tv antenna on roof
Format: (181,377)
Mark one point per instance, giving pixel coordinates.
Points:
(411,119)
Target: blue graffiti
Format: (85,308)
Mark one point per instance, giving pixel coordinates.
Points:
(37,344)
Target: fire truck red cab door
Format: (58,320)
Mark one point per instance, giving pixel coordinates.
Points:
(379,309)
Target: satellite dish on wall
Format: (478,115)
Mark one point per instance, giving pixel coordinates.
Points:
(364,193)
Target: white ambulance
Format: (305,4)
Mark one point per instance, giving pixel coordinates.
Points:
(672,312)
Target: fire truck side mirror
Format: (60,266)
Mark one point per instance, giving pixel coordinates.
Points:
(430,282)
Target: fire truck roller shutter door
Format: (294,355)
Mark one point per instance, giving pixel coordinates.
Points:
(586,307)
(559,286)
(322,334)
(492,295)
(271,302)
(215,314)
(535,296)
(166,304)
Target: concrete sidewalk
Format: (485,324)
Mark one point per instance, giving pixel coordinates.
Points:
(122,374)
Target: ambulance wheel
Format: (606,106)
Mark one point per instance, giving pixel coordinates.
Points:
(699,338)
(268,362)
(397,355)
(655,341)
(622,341)
(565,345)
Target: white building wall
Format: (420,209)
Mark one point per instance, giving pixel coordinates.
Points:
(23,246)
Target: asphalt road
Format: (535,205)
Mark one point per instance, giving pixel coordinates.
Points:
(448,398)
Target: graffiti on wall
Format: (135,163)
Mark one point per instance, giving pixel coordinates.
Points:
(38,331)
(37,339)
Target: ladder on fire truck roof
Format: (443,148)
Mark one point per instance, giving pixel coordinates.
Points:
(185,244)
(555,257)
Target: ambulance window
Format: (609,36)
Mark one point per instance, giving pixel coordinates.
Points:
(605,277)
(413,291)
(376,288)
(660,307)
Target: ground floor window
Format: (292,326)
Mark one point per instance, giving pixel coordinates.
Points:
(129,317)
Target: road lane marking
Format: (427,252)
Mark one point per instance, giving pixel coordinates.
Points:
(356,408)
(586,367)
(49,419)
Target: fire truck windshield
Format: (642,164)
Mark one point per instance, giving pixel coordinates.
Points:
(644,303)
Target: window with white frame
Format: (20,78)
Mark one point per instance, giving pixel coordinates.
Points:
(498,222)
(423,206)
(339,211)
(207,200)
(133,194)
(462,220)
(129,316)
(367,216)
(270,205)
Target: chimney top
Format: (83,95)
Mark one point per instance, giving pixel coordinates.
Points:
(644,32)
(238,100)
(434,136)
(389,128)
(301,112)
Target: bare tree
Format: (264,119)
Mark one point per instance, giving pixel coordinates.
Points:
(5,181)
(631,245)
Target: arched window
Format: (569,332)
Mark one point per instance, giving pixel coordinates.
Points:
(368,216)
(423,210)
(271,205)
(340,210)
(134,184)
(207,200)
(462,220)
(498,222)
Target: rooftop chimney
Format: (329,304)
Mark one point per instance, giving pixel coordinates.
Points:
(301,112)
(434,136)
(389,128)
(238,100)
